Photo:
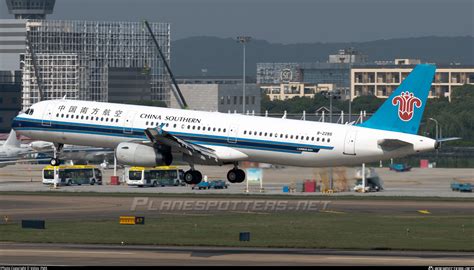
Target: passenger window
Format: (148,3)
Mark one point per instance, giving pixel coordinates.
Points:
(57,115)
(296,137)
(322,139)
(329,140)
(317,139)
(224,130)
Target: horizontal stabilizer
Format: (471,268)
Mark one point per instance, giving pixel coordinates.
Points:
(448,139)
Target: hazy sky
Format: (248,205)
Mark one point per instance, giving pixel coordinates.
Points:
(285,21)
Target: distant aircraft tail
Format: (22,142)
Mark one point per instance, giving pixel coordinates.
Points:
(12,140)
(403,110)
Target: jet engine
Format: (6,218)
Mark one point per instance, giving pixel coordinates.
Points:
(135,154)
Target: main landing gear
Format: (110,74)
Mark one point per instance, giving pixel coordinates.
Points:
(192,177)
(55,161)
(236,175)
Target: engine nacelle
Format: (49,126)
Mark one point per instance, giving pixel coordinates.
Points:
(135,154)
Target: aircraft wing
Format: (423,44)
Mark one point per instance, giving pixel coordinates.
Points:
(159,136)
(393,144)
(19,160)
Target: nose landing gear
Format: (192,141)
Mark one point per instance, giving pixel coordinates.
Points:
(55,161)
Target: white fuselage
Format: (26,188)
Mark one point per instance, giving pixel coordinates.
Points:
(235,137)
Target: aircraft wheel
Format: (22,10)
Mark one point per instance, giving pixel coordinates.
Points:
(236,176)
(54,162)
(192,177)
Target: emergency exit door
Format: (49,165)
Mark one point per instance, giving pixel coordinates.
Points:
(350,141)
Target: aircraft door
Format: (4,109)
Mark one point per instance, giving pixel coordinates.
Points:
(232,134)
(47,116)
(350,141)
(128,123)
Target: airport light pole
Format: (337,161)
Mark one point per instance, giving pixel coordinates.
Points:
(437,130)
(243,40)
(437,137)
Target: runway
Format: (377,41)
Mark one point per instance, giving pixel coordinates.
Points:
(110,255)
(19,207)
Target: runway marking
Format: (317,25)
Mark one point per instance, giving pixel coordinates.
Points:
(426,212)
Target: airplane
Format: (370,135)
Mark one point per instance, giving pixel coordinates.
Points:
(151,136)
(11,151)
(74,152)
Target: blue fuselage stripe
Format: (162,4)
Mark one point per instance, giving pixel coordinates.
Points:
(57,126)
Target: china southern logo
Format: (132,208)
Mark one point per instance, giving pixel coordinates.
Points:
(406,102)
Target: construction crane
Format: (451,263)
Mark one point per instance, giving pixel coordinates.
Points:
(176,91)
(34,60)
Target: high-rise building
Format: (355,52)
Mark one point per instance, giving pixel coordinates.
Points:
(87,60)
(10,98)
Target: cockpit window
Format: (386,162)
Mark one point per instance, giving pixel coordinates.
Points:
(29,111)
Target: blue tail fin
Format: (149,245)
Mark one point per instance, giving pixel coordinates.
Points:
(403,110)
